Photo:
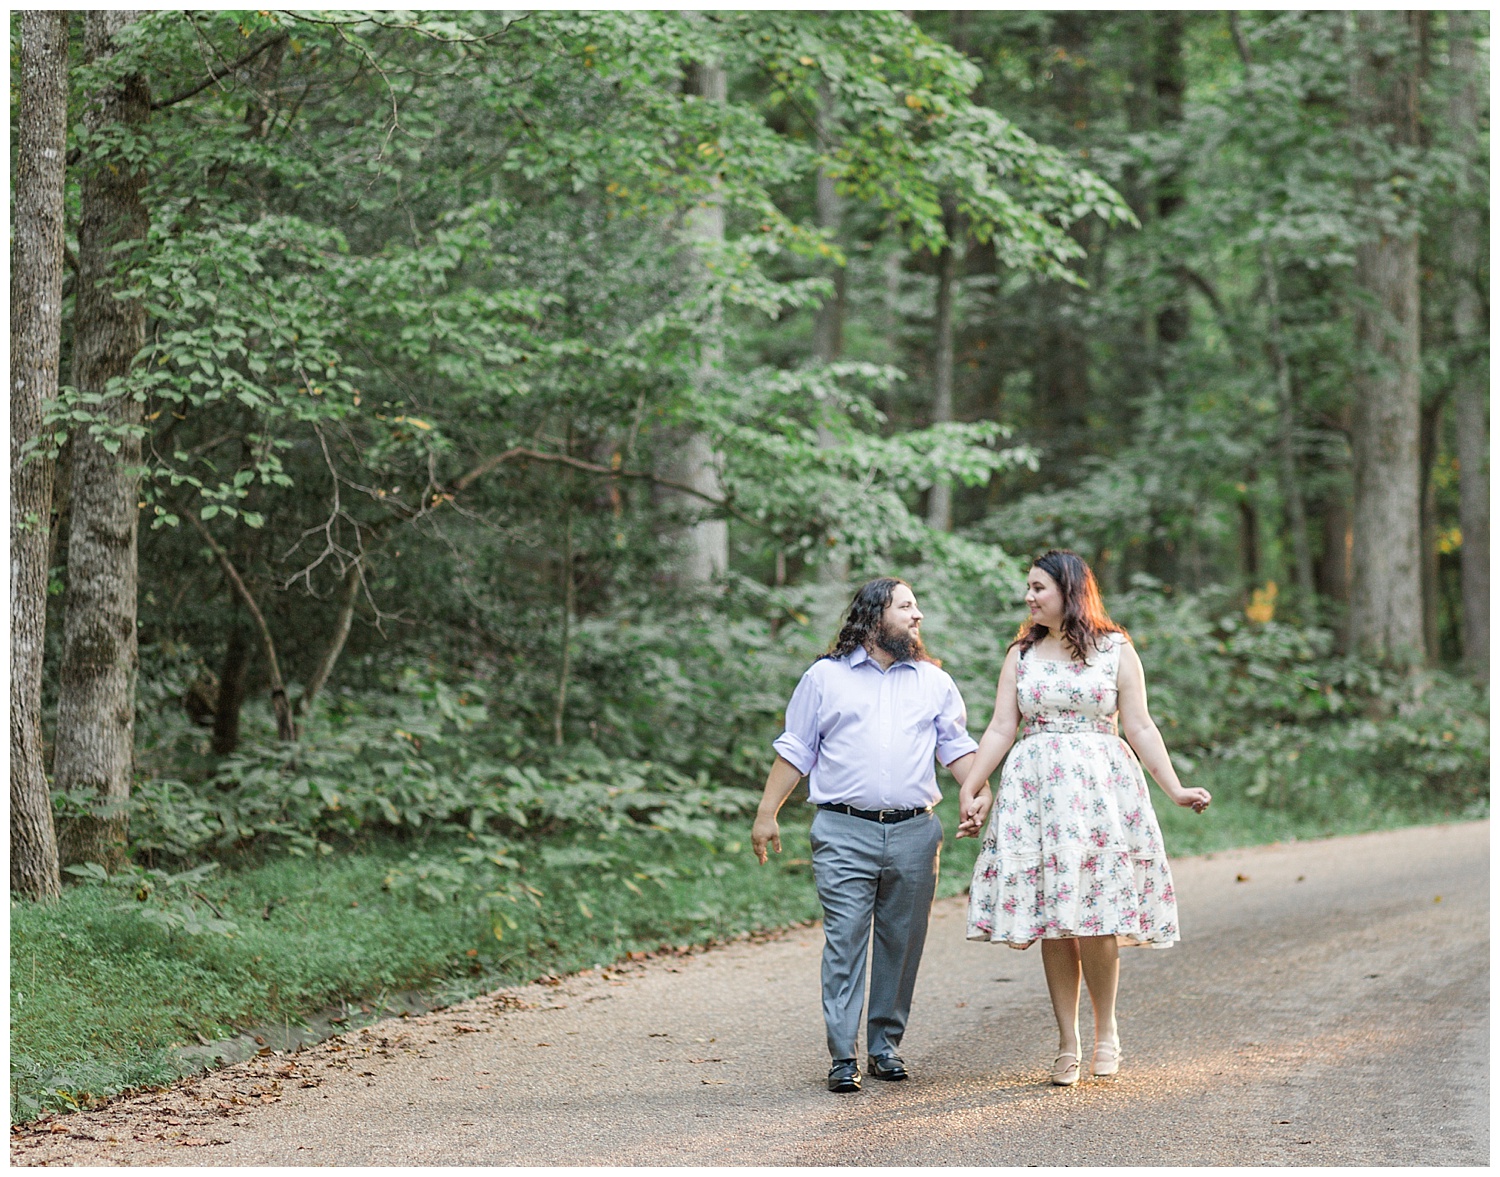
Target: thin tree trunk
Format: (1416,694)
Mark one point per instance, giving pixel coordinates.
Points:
(1386,604)
(62,498)
(1286,443)
(286,729)
(36,280)
(342,623)
(891,271)
(96,699)
(828,329)
(703,552)
(940,498)
(1471,388)
(1334,574)
(1060,363)
(232,675)
(565,667)
(1170,84)
(1429,445)
(1249,536)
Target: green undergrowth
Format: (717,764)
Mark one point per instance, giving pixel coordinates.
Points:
(101,998)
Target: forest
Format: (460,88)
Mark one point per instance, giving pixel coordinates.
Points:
(439,441)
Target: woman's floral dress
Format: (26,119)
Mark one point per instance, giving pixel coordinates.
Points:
(1073,847)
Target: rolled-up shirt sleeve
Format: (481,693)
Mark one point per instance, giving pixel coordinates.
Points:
(798,744)
(953,739)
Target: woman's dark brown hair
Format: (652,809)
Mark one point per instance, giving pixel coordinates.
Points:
(1084,622)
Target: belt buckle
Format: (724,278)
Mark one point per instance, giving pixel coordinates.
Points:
(883,812)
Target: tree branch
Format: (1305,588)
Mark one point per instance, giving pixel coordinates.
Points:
(336,642)
(285,729)
(1204,286)
(221,71)
(1241,46)
(526,453)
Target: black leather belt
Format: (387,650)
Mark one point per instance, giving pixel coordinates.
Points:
(880,815)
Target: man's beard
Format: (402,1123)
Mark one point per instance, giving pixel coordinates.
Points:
(901,644)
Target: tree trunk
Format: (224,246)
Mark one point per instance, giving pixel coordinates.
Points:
(281,706)
(1333,565)
(940,498)
(1286,444)
(1060,358)
(342,623)
(1249,536)
(1386,602)
(231,690)
(828,329)
(1429,444)
(1471,390)
(96,698)
(703,550)
(1170,83)
(36,280)
(565,653)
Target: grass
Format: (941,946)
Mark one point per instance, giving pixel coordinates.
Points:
(100,999)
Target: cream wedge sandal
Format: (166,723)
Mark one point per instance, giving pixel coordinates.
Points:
(1065,1076)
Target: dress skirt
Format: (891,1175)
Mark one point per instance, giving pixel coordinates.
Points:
(1073,848)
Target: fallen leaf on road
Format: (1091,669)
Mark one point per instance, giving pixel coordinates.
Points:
(1241,878)
(714,1082)
(441,1078)
(705,1060)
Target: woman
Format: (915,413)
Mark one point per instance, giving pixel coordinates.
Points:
(1073,855)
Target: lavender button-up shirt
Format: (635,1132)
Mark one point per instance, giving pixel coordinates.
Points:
(867,736)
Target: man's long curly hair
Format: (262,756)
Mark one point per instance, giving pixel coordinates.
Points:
(1084,622)
(862,621)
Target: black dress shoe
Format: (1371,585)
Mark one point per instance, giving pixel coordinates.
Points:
(888,1067)
(844,1075)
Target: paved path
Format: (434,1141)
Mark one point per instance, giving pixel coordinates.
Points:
(1330,1009)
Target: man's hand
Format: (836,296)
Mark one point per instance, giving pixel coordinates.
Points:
(782,780)
(765,830)
(972,811)
(1195,799)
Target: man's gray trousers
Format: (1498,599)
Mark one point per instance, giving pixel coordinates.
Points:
(880,876)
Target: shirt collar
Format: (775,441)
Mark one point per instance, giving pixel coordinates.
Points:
(860,654)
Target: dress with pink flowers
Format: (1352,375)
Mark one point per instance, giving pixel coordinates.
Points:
(1073,847)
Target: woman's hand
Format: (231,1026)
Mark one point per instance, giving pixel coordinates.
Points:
(1195,799)
(972,810)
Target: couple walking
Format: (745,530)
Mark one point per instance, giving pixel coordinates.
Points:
(1072,855)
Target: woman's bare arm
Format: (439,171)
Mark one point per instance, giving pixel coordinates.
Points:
(974,798)
(1137,726)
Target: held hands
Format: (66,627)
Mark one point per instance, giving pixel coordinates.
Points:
(972,810)
(766,830)
(1195,799)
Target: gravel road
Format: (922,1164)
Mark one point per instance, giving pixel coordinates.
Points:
(1328,1006)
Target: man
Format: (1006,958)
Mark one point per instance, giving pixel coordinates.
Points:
(865,722)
